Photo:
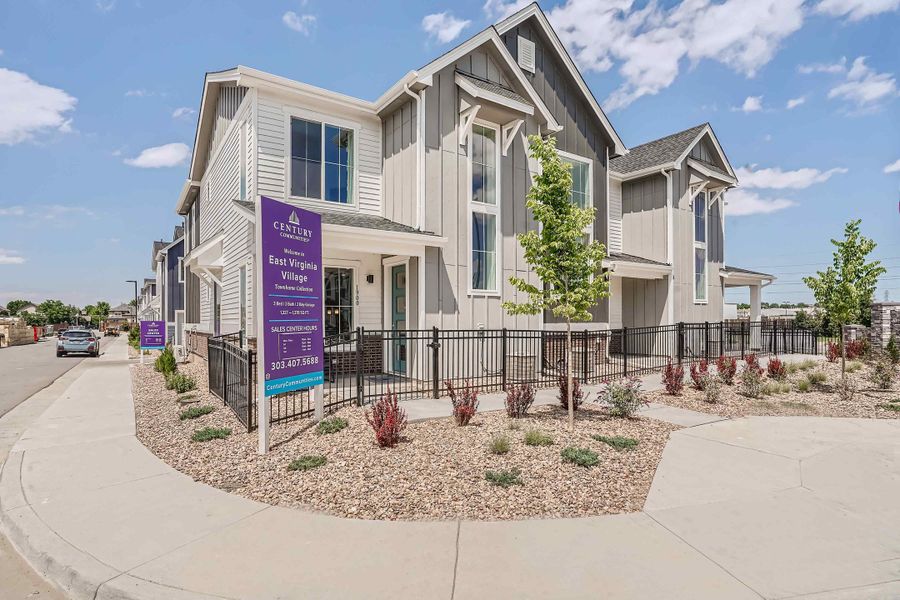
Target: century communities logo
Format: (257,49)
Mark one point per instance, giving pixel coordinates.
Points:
(294,219)
(292,229)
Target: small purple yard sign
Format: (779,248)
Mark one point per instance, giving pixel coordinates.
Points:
(153,335)
(292,331)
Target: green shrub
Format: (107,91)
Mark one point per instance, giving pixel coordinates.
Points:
(751,382)
(806,365)
(883,372)
(623,398)
(817,378)
(712,388)
(617,441)
(803,386)
(195,412)
(514,425)
(504,478)
(892,407)
(499,445)
(853,366)
(582,457)
(180,382)
(210,433)
(307,462)
(165,362)
(535,437)
(331,425)
(893,350)
(773,387)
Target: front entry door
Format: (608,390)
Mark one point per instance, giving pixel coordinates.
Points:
(398,317)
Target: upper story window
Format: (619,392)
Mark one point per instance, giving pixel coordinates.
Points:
(581,192)
(484,157)
(700,250)
(322,161)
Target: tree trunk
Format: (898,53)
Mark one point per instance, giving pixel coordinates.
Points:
(569,377)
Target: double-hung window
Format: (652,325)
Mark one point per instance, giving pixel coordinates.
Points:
(700,258)
(484,159)
(322,161)
(581,192)
(338,301)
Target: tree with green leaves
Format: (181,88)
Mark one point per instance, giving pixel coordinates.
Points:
(845,289)
(56,311)
(569,268)
(14,306)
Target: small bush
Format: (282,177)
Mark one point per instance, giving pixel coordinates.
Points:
(751,381)
(726,368)
(699,371)
(499,445)
(210,433)
(752,362)
(165,362)
(774,387)
(857,349)
(577,392)
(817,378)
(504,478)
(853,366)
(514,425)
(803,386)
(893,350)
(307,462)
(832,351)
(891,407)
(617,441)
(519,399)
(846,389)
(180,382)
(776,369)
(712,388)
(387,419)
(195,412)
(806,365)
(582,457)
(673,378)
(465,404)
(622,398)
(534,437)
(883,372)
(331,425)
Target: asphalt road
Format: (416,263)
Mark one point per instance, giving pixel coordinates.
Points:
(26,369)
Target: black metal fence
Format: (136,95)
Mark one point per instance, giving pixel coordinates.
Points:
(362,365)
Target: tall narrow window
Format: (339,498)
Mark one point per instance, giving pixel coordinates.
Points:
(322,161)
(485,207)
(581,191)
(338,301)
(338,164)
(700,258)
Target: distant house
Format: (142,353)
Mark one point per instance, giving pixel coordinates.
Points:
(120,315)
(162,296)
(422,193)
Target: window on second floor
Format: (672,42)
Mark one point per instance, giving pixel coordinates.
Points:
(581,192)
(700,256)
(322,161)
(484,204)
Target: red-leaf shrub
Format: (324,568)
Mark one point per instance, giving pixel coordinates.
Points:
(857,349)
(699,371)
(519,399)
(776,369)
(726,367)
(832,351)
(753,364)
(465,403)
(673,378)
(387,420)
(577,392)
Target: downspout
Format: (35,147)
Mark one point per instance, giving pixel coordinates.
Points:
(670,246)
(420,156)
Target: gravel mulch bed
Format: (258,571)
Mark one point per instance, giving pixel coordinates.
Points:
(437,472)
(822,400)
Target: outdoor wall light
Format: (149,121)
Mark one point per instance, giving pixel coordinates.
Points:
(370,278)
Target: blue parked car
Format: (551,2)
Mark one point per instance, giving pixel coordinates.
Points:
(78,340)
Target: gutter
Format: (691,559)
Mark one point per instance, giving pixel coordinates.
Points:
(420,156)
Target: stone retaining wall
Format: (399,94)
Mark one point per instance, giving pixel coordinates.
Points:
(15,332)
(885,322)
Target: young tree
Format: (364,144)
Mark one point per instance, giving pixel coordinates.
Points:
(56,311)
(569,268)
(845,289)
(14,306)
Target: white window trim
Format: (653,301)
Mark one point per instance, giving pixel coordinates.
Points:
(491,209)
(569,157)
(180,268)
(698,245)
(307,115)
(353,267)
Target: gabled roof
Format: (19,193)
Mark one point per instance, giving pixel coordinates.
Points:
(493,88)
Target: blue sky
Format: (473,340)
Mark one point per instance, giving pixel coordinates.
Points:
(88,88)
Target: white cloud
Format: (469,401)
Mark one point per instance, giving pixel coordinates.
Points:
(46,212)
(167,155)
(300,23)
(776,179)
(137,93)
(12,211)
(795,102)
(741,203)
(751,104)
(651,42)
(838,67)
(894,167)
(105,5)
(444,27)
(864,87)
(856,10)
(183,111)
(10,257)
(28,108)
(500,9)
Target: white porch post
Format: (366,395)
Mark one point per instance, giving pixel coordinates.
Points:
(755,315)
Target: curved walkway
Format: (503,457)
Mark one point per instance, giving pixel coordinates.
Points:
(747,508)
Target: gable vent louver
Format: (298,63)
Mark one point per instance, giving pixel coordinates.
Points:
(526,54)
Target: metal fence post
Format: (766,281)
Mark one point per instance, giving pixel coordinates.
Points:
(624,351)
(224,375)
(679,342)
(584,356)
(435,362)
(360,394)
(250,391)
(706,340)
(722,348)
(775,337)
(503,374)
(743,344)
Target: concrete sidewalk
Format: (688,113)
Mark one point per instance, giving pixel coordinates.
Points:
(749,508)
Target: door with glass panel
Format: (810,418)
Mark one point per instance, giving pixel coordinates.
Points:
(398,318)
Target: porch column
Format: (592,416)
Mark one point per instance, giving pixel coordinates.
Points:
(755,315)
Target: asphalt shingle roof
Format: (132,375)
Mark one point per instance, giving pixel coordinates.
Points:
(658,152)
(494,88)
(747,271)
(621,256)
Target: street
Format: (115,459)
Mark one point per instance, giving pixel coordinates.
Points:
(26,369)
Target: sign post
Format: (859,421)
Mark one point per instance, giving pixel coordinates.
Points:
(152,336)
(290,338)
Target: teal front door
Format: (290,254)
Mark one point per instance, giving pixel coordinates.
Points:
(398,318)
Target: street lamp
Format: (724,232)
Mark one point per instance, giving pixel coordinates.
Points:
(135,299)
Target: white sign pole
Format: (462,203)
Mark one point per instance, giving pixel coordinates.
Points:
(262,403)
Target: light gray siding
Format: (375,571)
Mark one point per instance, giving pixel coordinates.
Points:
(615,243)
(643,302)
(399,141)
(644,217)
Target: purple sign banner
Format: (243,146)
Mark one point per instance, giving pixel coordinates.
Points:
(292,329)
(153,335)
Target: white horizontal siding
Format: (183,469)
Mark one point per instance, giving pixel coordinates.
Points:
(615,216)
(369,300)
